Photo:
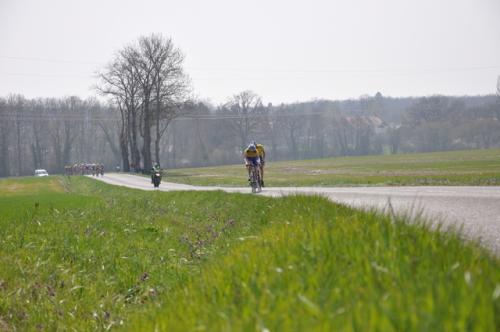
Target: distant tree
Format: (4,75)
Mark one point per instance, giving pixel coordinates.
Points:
(497,106)
(395,139)
(244,113)
(171,86)
(39,131)
(315,126)
(272,133)
(63,130)
(5,130)
(119,80)
(498,86)
(428,109)
(16,104)
(201,148)
(484,132)
(363,134)
(364,102)
(342,132)
(289,121)
(377,105)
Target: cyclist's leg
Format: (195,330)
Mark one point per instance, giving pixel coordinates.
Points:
(257,168)
(262,163)
(248,166)
(254,161)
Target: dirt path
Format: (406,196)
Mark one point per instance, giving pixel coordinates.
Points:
(477,209)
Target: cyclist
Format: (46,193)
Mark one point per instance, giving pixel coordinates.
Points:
(262,156)
(251,156)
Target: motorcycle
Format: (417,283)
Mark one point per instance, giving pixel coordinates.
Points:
(156,179)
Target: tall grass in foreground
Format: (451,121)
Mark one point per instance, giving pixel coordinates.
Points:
(325,267)
(88,256)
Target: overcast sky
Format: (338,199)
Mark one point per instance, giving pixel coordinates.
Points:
(284,50)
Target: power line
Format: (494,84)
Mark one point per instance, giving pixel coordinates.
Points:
(82,117)
(285,70)
(352,70)
(50,60)
(268,76)
(48,75)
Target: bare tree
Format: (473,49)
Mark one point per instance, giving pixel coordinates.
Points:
(289,122)
(342,131)
(148,86)
(498,87)
(16,104)
(497,106)
(64,129)
(39,129)
(244,113)
(395,138)
(120,80)
(4,138)
(170,85)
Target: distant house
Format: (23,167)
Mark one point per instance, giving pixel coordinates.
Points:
(378,125)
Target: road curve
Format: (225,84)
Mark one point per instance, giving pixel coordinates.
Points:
(476,209)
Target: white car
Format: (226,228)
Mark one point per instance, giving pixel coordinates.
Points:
(41,172)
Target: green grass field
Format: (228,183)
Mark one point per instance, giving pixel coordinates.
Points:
(77,254)
(472,167)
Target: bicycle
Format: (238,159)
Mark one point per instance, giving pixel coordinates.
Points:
(255,181)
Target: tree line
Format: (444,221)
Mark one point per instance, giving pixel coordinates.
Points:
(53,132)
(322,128)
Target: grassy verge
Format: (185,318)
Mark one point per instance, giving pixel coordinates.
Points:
(472,167)
(325,267)
(90,256)
(85,255)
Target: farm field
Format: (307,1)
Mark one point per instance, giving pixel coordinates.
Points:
(79,254)
(470,167)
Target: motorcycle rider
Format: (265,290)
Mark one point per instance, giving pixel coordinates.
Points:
(155,169)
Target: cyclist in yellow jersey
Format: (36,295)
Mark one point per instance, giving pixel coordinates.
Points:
(251,156)
(262,155)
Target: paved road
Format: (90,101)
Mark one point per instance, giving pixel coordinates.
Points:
(477,209)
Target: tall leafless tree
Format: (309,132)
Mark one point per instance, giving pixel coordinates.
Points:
(244,113)
(171,86)
(289,122)
(148,85)
(4,139)
(120,81)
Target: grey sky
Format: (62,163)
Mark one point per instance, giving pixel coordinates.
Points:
(284,50)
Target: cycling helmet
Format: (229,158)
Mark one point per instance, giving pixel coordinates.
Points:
(252,148)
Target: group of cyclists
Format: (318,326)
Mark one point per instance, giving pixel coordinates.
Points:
(93,169)
(254,155)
